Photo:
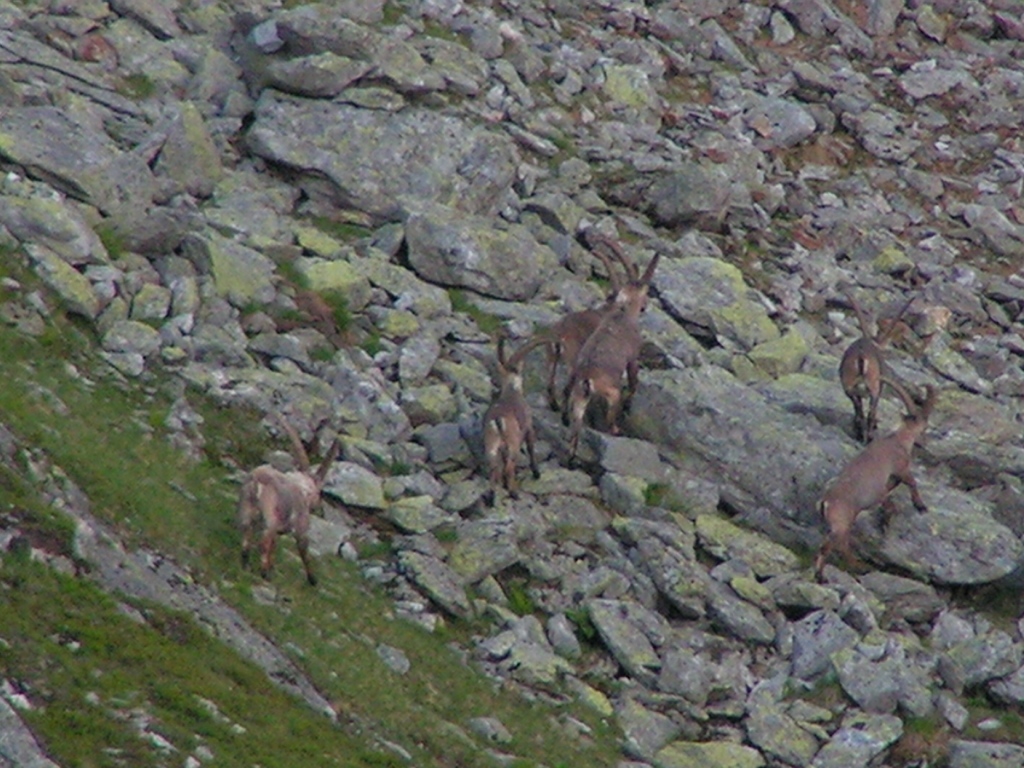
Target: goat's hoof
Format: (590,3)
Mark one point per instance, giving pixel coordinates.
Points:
(536,474)
(488,498)
(311,579)
(921,507)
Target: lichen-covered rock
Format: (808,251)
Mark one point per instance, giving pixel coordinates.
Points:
(355,485)
(710,754)
(73,288)
(451,248)
(726,540)
(860,739)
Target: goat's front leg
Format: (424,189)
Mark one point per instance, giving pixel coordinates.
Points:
(531,438)
(302,542)
(908,479)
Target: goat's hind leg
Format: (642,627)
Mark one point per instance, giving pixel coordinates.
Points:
(302,543)
(859,418)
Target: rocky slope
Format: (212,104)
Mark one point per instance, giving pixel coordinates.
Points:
(194,179)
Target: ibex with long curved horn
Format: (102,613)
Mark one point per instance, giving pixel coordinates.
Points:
(281,502)
(872,475)
(612,350)
(508,424)
(862,368)
(565,338)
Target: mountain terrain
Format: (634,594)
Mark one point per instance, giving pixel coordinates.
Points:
(214,216)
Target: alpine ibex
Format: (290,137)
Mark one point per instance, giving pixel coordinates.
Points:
(613,349)
(565,338)
(862,368)
(872,475)
(281,502)
(507,424)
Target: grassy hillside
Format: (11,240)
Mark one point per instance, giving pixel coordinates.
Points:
(116,682)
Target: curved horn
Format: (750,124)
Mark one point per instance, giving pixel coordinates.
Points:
(613,274)
(325,465)
(616,248)
(649,272)
(884,336)
(298,449)
(519,354)
(862,319)
(913,409)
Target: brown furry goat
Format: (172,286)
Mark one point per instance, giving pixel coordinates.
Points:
(862,368)
(565,338)
(281,502)
(508,424)
(869,479)
(612,350)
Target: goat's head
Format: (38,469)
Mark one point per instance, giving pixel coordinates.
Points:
(634,291)
(918,411)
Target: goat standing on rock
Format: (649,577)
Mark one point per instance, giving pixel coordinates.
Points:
(862,368)
(612,350)
(281,502)
(565,338)
(507,424)
(869,479)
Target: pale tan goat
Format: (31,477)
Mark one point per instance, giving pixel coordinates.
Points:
(507,425)
(862,368)
(277,503)
(613,349)
(564,339)
(871,476)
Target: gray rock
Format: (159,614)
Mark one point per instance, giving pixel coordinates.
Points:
(978,660)
(17,743)
(438,581)
(983,754)
(625,640)
(395,658)
(645,730)
(41,217)
(490,729)
(73,288)
(77,158)
(686,674)
(451,248)
(319,75)
(770,728)
(861,738)
(483,548)
(460,165)
(355,485)
(129,336)
(815,638)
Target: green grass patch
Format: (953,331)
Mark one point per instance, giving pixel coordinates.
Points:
(113,241)
(487,323)
(85,665)
(345,231)
(137,87)
(338,302)
(289,270)
(373,343)
(105,689)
